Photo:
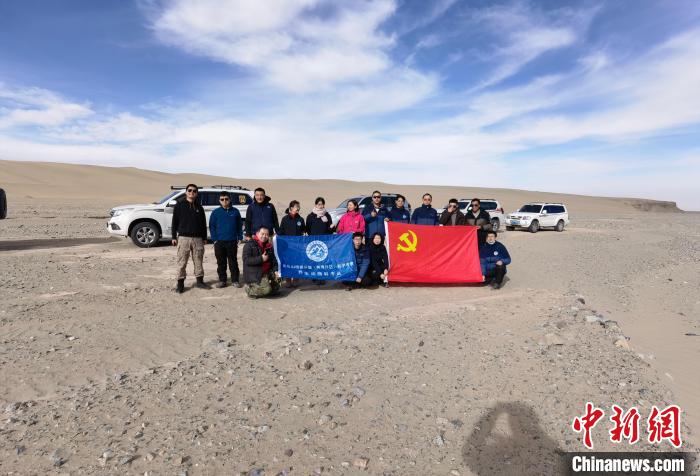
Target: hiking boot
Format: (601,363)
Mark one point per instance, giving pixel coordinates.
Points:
(236,284)
(221,284)
(180,288)
(496,285)
(201,284)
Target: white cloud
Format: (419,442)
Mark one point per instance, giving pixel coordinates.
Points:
(36,107)
(288,43)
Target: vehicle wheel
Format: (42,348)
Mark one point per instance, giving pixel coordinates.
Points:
(510,228)
(3,204)
(145,234)
(560,225)
(534,226)
(495,224)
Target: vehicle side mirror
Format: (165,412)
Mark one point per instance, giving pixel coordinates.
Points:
(362,205)
(544,212)
(172,203)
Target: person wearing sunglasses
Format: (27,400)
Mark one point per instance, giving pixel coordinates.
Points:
(189,231)
(375,215)
(452,216)
(226,229)
(425,214)
(476,216)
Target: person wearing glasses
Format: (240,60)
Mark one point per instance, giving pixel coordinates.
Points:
(451,216)
(478,217)
(425,214)
(375,215)
(400,213)
(226,230)
(189,235)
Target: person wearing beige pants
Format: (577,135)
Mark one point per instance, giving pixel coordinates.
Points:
(188,246)
(189,229)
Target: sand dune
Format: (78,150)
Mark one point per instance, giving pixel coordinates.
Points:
(128,184)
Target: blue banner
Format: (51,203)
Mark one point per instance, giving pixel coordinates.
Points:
(325,257)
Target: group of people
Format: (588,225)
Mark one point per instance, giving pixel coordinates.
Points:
(260,272)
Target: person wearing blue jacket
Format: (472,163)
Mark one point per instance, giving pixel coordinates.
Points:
(362,262)
(226,229)
(425,214)
(375,215)
(260,213)
(400,213)
(494,259)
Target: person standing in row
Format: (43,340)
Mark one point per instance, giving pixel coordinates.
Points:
(319,221)
(451,216)
(375,215)
(260,213)
(226,230)
(189,234)
(260,266)
(292,225)
(478,217)
(352,221)
(400,214)
(425,214)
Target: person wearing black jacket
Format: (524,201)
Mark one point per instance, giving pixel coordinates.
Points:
(478,217)
(260,213)
(292,225)
(379,260)
(319,221)
(260,266)
(189,234)
(452,216)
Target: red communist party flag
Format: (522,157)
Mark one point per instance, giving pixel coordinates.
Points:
(433,254)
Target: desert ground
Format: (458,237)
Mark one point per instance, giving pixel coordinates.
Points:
(106,371)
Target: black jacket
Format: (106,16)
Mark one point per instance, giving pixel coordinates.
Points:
(189,220)
(316,226)
(292,226)
(253,262)
(482,220)
(379,259)
(258,215)
(446,218)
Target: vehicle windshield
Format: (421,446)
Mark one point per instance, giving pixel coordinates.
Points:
(344,204)
(530,208)
(167,197)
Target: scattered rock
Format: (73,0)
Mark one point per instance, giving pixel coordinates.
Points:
(553,339)
(324,419)
(358,391)
(361,463)
(305,340)
(289,452)
(126,459)
(150,456)
(439,440)
(622,343)
(107,454)
(307,365)
(593,319)
(57,459)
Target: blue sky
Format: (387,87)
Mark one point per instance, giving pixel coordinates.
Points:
(580,97)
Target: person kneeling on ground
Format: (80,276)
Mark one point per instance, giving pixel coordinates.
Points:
(361,262)
(494,259)
(379,260)
(260,266)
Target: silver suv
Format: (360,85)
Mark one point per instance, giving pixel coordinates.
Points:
(534,216)
(364,201)
(147,224)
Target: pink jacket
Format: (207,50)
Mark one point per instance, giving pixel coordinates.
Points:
(351,222)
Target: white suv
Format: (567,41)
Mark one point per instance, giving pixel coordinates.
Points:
(489,204)
(534,216)
(147,224)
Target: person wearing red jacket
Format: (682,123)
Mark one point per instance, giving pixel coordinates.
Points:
(352,221)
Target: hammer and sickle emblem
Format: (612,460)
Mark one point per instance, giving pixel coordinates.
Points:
(408,244)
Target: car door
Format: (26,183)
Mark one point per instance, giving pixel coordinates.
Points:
(209,201)
(550,217)
(166,221)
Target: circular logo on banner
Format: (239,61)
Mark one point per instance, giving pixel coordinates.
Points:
(317,251)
